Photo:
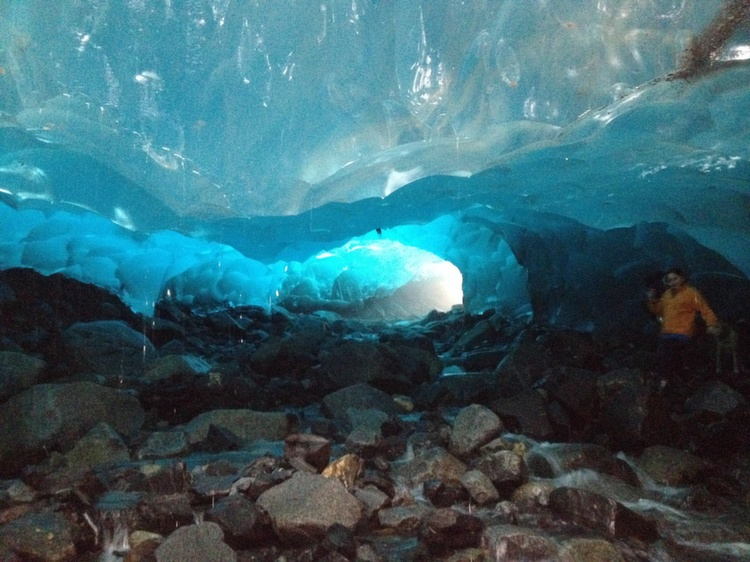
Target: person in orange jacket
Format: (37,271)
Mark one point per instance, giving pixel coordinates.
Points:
(676,310)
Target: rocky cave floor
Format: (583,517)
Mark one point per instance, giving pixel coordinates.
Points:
(242,435)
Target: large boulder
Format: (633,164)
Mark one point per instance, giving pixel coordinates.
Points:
(195,542)
(473,427)
(359,396)
(18,371)
(304,507)
(108,347)
(247,425)
(54,416)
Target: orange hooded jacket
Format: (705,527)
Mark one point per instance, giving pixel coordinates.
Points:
(676,310)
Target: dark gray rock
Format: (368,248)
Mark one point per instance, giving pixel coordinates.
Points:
(45,535)
(525,412)
(602,514)
(509,542)
(108,347)
(195,542)
(53,416)
(18,371)
(247,425)
(360,396)
(304,507)
(506,469)
(473,427)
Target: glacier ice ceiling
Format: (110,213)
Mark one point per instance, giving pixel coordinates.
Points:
(506,153)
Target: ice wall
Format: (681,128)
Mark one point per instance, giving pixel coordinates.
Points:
(227,139)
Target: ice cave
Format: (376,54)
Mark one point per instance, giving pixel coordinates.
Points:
(361,163)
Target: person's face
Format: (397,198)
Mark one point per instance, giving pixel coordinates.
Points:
(673,280)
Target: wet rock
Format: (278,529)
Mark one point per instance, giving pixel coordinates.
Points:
(366,435)
(445,529)
(18,371)
(359,396)
(445,493)
(247,425)
(671,467)
(163,444)
(195,542)
(45,535)
(339,543)
(14,492)
(357,362)
(143,545)
(313,449)
(532,494)
(305,506)
(54,416)
(458,390)
(101,445)
(602,514)
(526,412)
(217,439)
(589,550)
(108,347)
(473,427)
(480,487)
(163,513)
(627,414)
(177,365)
(405,519)
(37,307)
(506,470)
(575,389)
(433,463)
(715,397)
(345,469)
(524,364)
(242,522)
(372,498)
(509,542)
(553,459)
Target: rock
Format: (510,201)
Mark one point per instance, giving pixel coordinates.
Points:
(247,425)
(18,371)
(195,542)
(715,397)
(313,449)
(445,529)
(480,487)
(53,416)
(445,493)
(506,469)
(358,396)
(526,412)
(177,365)
(532,494)
(394,368)
(405,519)
(108,347)
(143,545)
(671,467)
(101,445)
(45,535)
(474,426)
(589,550)
(305,506)
(366,434)
(626,413)
(372,498)
(163,444)
(601,514)
(429,464)
(509,542)
(242,522)
(345,469)
(523,365)
(554,459)
(575,389)
(14,492)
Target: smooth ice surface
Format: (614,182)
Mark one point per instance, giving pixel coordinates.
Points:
(228,143)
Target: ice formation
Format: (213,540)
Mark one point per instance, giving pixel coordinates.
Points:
(213,150)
